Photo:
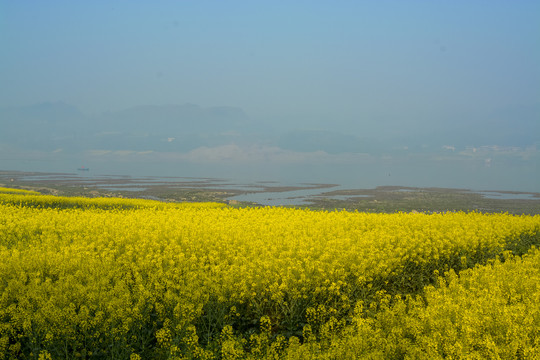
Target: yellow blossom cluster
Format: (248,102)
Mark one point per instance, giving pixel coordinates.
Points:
(119,278)
(488,312)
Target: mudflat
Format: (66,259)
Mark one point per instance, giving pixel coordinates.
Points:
(310,195)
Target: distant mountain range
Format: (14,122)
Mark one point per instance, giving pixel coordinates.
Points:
(182,128)
(53,126)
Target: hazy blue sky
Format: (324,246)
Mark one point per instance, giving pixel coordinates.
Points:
(306,62)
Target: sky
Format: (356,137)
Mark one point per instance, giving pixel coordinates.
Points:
(350,66)
(316,61)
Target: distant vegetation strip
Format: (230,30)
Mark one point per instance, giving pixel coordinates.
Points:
(121,278)
(34,199)
(5,190)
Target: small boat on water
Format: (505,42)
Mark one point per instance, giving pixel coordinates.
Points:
(83,169)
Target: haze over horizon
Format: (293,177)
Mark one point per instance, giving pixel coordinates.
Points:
(361,93)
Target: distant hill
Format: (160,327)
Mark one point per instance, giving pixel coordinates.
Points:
(174,119)
(46,126)
(182,128)
(51,126)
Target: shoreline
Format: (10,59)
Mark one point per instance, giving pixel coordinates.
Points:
(271,193)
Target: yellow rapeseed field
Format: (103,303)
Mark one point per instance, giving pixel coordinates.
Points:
(137,279)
